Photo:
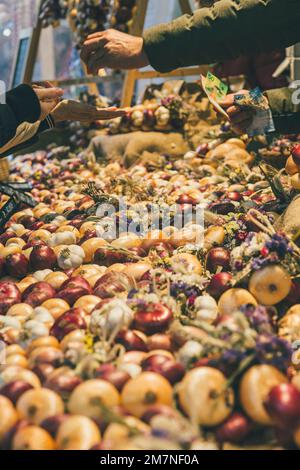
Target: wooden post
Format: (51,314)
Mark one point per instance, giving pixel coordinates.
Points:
(33,52)
(133,75)
(136,29)
(185,7)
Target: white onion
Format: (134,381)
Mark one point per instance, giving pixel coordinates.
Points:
(189,351)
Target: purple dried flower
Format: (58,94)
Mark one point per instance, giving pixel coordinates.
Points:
(279,244)
(258,317)
(188,290)
(273,351)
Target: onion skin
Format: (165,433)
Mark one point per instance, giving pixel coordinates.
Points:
(38,293)
(156,318)
(9,295)
(283,405)
(42,257)
(17,265)
(118,378)
(131,341)
(13,390)
(219,284)
(171,370)
(218,257)
(68,322)
(74,288)
(111,284)
(235,429)
(52,424)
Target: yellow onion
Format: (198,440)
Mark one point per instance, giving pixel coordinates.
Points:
(255,387)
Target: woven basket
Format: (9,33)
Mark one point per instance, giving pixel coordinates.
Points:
(4,169)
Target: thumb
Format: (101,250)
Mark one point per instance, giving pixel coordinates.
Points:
(227,102)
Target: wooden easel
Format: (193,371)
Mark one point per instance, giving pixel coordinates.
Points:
(132,76)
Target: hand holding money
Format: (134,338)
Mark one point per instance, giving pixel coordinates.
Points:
(249,112)
(240,119)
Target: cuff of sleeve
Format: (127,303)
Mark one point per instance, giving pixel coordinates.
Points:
(24,103)
(47,124)
(281,101)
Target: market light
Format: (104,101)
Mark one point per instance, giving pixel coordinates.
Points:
(7,32)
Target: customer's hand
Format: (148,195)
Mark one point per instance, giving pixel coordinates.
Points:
(68,110)
(48,97)
(114,50)
(240,119)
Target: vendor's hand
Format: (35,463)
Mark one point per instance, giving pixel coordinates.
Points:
(48,97)
(114,50)
(68,110)
(240,119)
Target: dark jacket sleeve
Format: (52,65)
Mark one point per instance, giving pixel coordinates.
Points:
(224,31)
(285,106)
(20,105)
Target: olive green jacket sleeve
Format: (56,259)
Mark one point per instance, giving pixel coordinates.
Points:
(285,106)
(224,31)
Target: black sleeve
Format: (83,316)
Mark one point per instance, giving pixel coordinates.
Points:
(20,105)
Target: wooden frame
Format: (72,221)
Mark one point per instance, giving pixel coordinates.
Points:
(25,60)
(132,76)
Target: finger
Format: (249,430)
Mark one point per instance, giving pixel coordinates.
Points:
(49,93)
(99,34)
(102,115)
(48,107)
(96,62)
(227,101)
(91,46)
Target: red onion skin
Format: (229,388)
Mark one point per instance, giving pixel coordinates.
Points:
(13,390)
(218,257)
(17,265)
(296,154)
(154,320)
(42,257)
(71,320)
(7,439)
(111,284)
(235,429)
(219,284)
(118,378)
(74,288)
(131,341)
(52,424)
(159,341)
(171,370)
(9,295)
(283,405)
(37,293)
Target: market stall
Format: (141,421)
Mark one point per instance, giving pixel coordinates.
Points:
(150,281)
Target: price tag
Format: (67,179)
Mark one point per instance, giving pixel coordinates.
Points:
(23,197)
(11,207)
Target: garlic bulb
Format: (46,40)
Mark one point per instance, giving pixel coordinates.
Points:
(113,315)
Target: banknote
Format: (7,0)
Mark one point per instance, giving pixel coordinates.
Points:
(215,90)
(262,122)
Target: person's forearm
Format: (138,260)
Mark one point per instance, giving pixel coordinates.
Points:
(285,107)
(227,30)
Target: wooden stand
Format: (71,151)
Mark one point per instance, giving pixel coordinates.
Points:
(132,76)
